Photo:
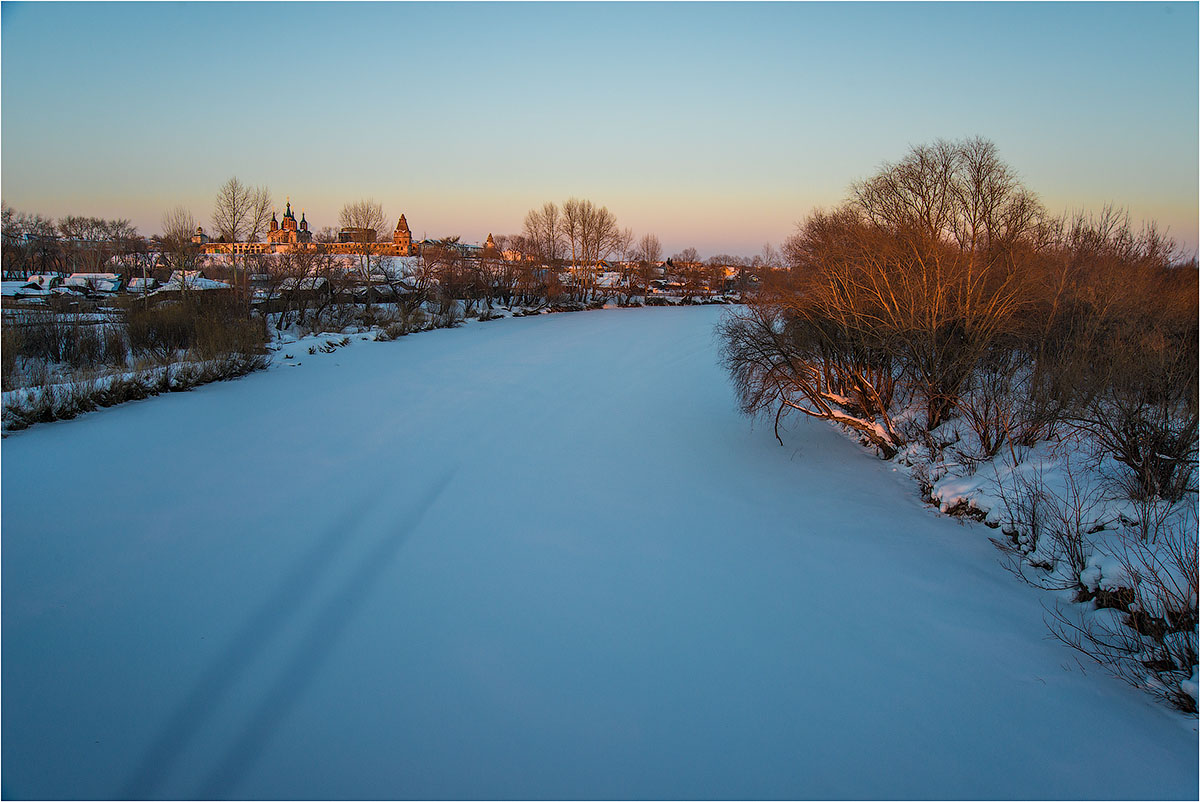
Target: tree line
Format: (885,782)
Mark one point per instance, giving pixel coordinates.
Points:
(73,244)
(941,310)
(943,284)
(560,252)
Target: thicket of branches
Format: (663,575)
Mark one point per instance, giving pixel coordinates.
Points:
(33,244)
(580,236)
(942,290)
(943,285)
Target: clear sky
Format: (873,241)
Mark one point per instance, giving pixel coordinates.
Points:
(714,125)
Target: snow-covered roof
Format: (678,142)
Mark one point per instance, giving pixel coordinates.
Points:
(24,289)
(45,279)
(11,289)
(306,283)
(194,284)
(100,282)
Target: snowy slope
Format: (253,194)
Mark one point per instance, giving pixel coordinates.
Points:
(531,558)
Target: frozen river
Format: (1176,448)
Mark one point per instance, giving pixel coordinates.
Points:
(531,558)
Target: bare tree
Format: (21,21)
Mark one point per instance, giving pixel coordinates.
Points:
(574,226)
(545,243)
(531,271)
(505,270)
(544,234)
(363,214)
(31,244)
(942,282)
(915,279)
(300,279)
(91,241)
(442,263)
(577,224)
(178,224)
(649,254)
(955,217)
(779,364)
(240,214)
(365,218)
(769,257)
(685,269)
(1136,350)
(414,290)
(687,256)
(592,235)
(916,194)
(649,249)
(178,228)
(132,253)
(620,247)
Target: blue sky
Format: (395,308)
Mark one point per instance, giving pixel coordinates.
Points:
(715,125)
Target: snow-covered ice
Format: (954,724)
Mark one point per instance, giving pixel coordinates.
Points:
(541,557)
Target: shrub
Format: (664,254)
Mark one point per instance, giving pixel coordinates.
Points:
(42,336)
(1026,507)
(409,321)
(208,329)
(45,402)
(450,319)
(391,332)
(1154,644)
(1129,322)
(85,348)
(116,347)
(161,330)
(47,337)
(217,335)
(10,344)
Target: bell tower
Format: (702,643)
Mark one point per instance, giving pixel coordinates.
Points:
(402,237)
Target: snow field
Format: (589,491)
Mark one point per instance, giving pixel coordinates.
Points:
(532,558)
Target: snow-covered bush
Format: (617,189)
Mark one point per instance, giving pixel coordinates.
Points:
(65,365)
(49,401)
(1152,644)
(1129,565)
(451,318)
(72,340)
(1071,514)
(1026,504)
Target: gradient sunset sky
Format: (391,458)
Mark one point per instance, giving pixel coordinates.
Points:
(713,125)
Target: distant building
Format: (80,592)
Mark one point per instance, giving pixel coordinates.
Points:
(141,284)
(289,233)
(94,282)
(358,235)
(489,250)
(402,238)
